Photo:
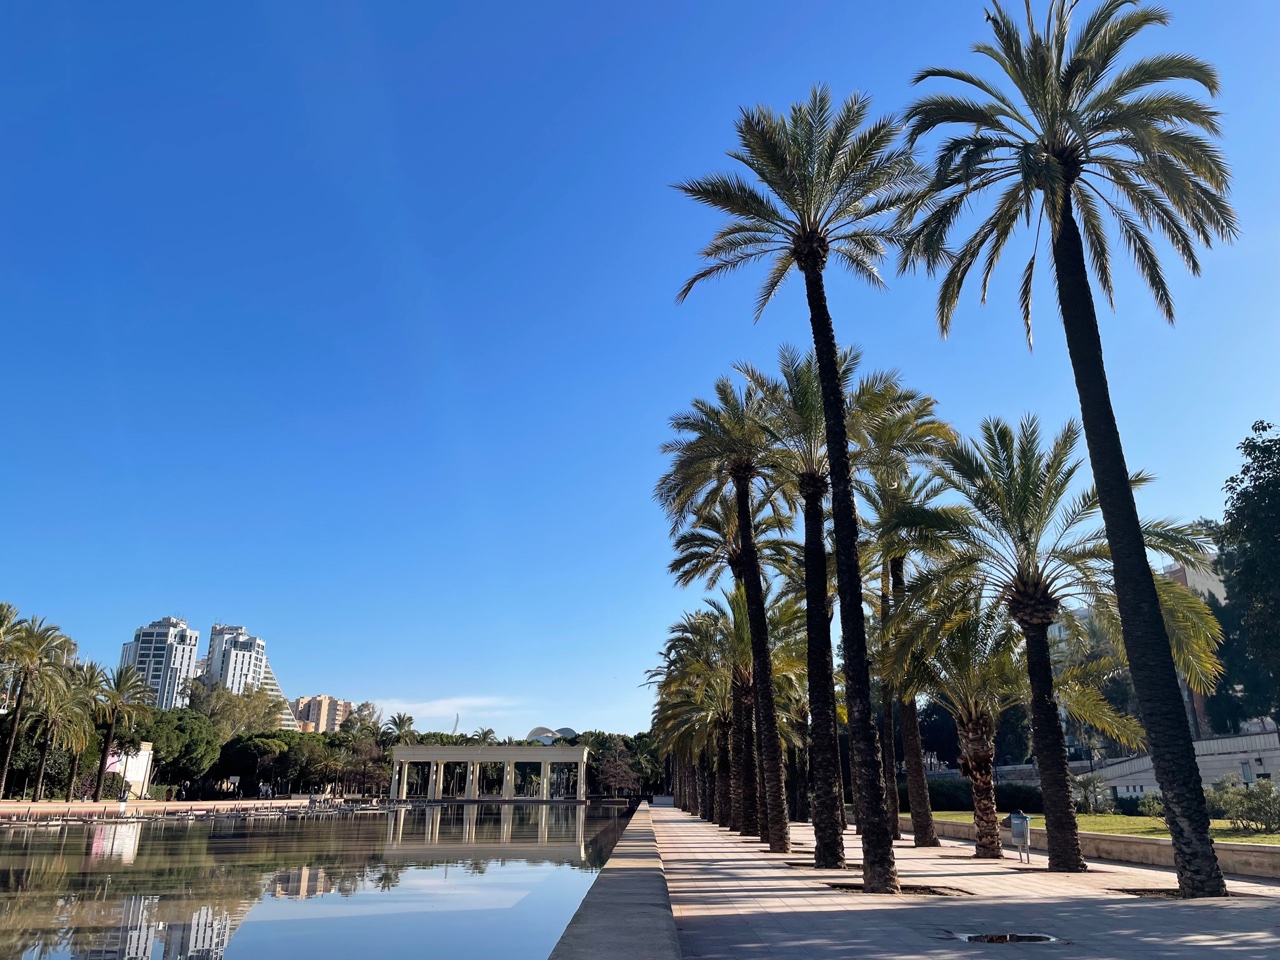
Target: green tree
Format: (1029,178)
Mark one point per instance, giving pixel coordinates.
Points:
(722,445)
(123,699)
(63,721)
(1250,536)
(400,729)
(185,744)
(827,181)
(36,654)
(1072,133)
(88,680)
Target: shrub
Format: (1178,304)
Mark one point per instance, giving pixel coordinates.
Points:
(1127,806)
(1256,808)
(1151,805)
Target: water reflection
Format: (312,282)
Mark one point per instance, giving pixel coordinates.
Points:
(363,885)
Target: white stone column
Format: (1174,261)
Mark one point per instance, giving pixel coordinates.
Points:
(582,780)
(403,792)
(544,788)
(469,792)
(509,780)
(433,781)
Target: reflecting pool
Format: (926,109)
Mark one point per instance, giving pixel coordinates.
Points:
(496,880)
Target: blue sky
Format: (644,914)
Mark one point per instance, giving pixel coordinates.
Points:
(355,324)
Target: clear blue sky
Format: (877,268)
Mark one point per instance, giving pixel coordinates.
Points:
(353,323)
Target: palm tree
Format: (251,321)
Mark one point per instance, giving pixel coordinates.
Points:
(484,736)
(970,669)
(400,728)
(1079,134)
(1021,531)
(722,444)
(36,654)
(63,720)
(87,680)
(796,429)
(826,181)
(893,429)
(122,699)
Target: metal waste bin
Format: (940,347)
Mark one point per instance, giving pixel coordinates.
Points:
(1020,828)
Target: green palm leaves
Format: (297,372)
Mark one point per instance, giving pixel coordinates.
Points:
(826,177)
(1071,132)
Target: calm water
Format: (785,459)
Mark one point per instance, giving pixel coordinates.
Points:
(495,880)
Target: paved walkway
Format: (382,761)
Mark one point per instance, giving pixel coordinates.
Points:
(733,900)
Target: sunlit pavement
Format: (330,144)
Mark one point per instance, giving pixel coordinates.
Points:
(733,899)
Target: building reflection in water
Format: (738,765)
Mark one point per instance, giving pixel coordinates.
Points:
(197,882)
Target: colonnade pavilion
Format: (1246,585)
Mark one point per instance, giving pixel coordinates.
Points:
(556,772)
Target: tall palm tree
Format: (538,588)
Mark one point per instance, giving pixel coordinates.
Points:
(88,681)
(723,445)
(1022,532)
(122,700)
(826,180)
(36,655)
(63,721)
(972,671)
(1073,134)
(893,429)
(484,736)
(400,728)
(797,430)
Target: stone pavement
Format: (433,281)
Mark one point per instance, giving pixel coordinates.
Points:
(733,900)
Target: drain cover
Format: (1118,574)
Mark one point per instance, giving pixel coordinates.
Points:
(1008,938)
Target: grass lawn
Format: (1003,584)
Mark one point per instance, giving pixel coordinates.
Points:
(1131,826)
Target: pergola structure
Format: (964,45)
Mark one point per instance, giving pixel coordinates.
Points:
(433,781)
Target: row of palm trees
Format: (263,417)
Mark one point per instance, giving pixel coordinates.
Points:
(60,701)
(1067,138)
(973,549)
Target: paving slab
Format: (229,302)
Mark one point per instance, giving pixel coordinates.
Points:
(732,899)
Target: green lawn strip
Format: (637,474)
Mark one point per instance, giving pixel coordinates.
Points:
(1130,826)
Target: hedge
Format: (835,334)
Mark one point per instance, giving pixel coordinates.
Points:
(955,794)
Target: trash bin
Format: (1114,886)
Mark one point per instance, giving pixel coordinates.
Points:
(1020,829)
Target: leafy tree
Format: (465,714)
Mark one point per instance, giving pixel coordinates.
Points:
(1070,138)
(233,714)
(185,745)
(826,181)
(1251,538)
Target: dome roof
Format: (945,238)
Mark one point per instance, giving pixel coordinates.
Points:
(537,732)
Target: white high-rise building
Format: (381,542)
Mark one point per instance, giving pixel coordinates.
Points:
(236,659)
(164,652)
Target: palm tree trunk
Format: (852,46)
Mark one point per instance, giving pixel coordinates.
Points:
(824,750)
(13,735)
(724,780)
(770,745)
(977,760)
(745,763)
(889,757)
(879,874)
(762,795)
(102,764)
(1155,678)
(922,831)
(38,792)
(705,788)
(1051,754)
(75,773)
(803,805)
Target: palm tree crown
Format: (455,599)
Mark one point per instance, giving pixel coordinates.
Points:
(1076,133)
(829,178)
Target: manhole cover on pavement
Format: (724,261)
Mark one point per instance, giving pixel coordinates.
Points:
(1007,938)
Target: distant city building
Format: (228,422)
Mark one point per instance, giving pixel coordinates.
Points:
(321,714)
(302,883)
(237,660)
(164,652)
(1207,583)
(270,684)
